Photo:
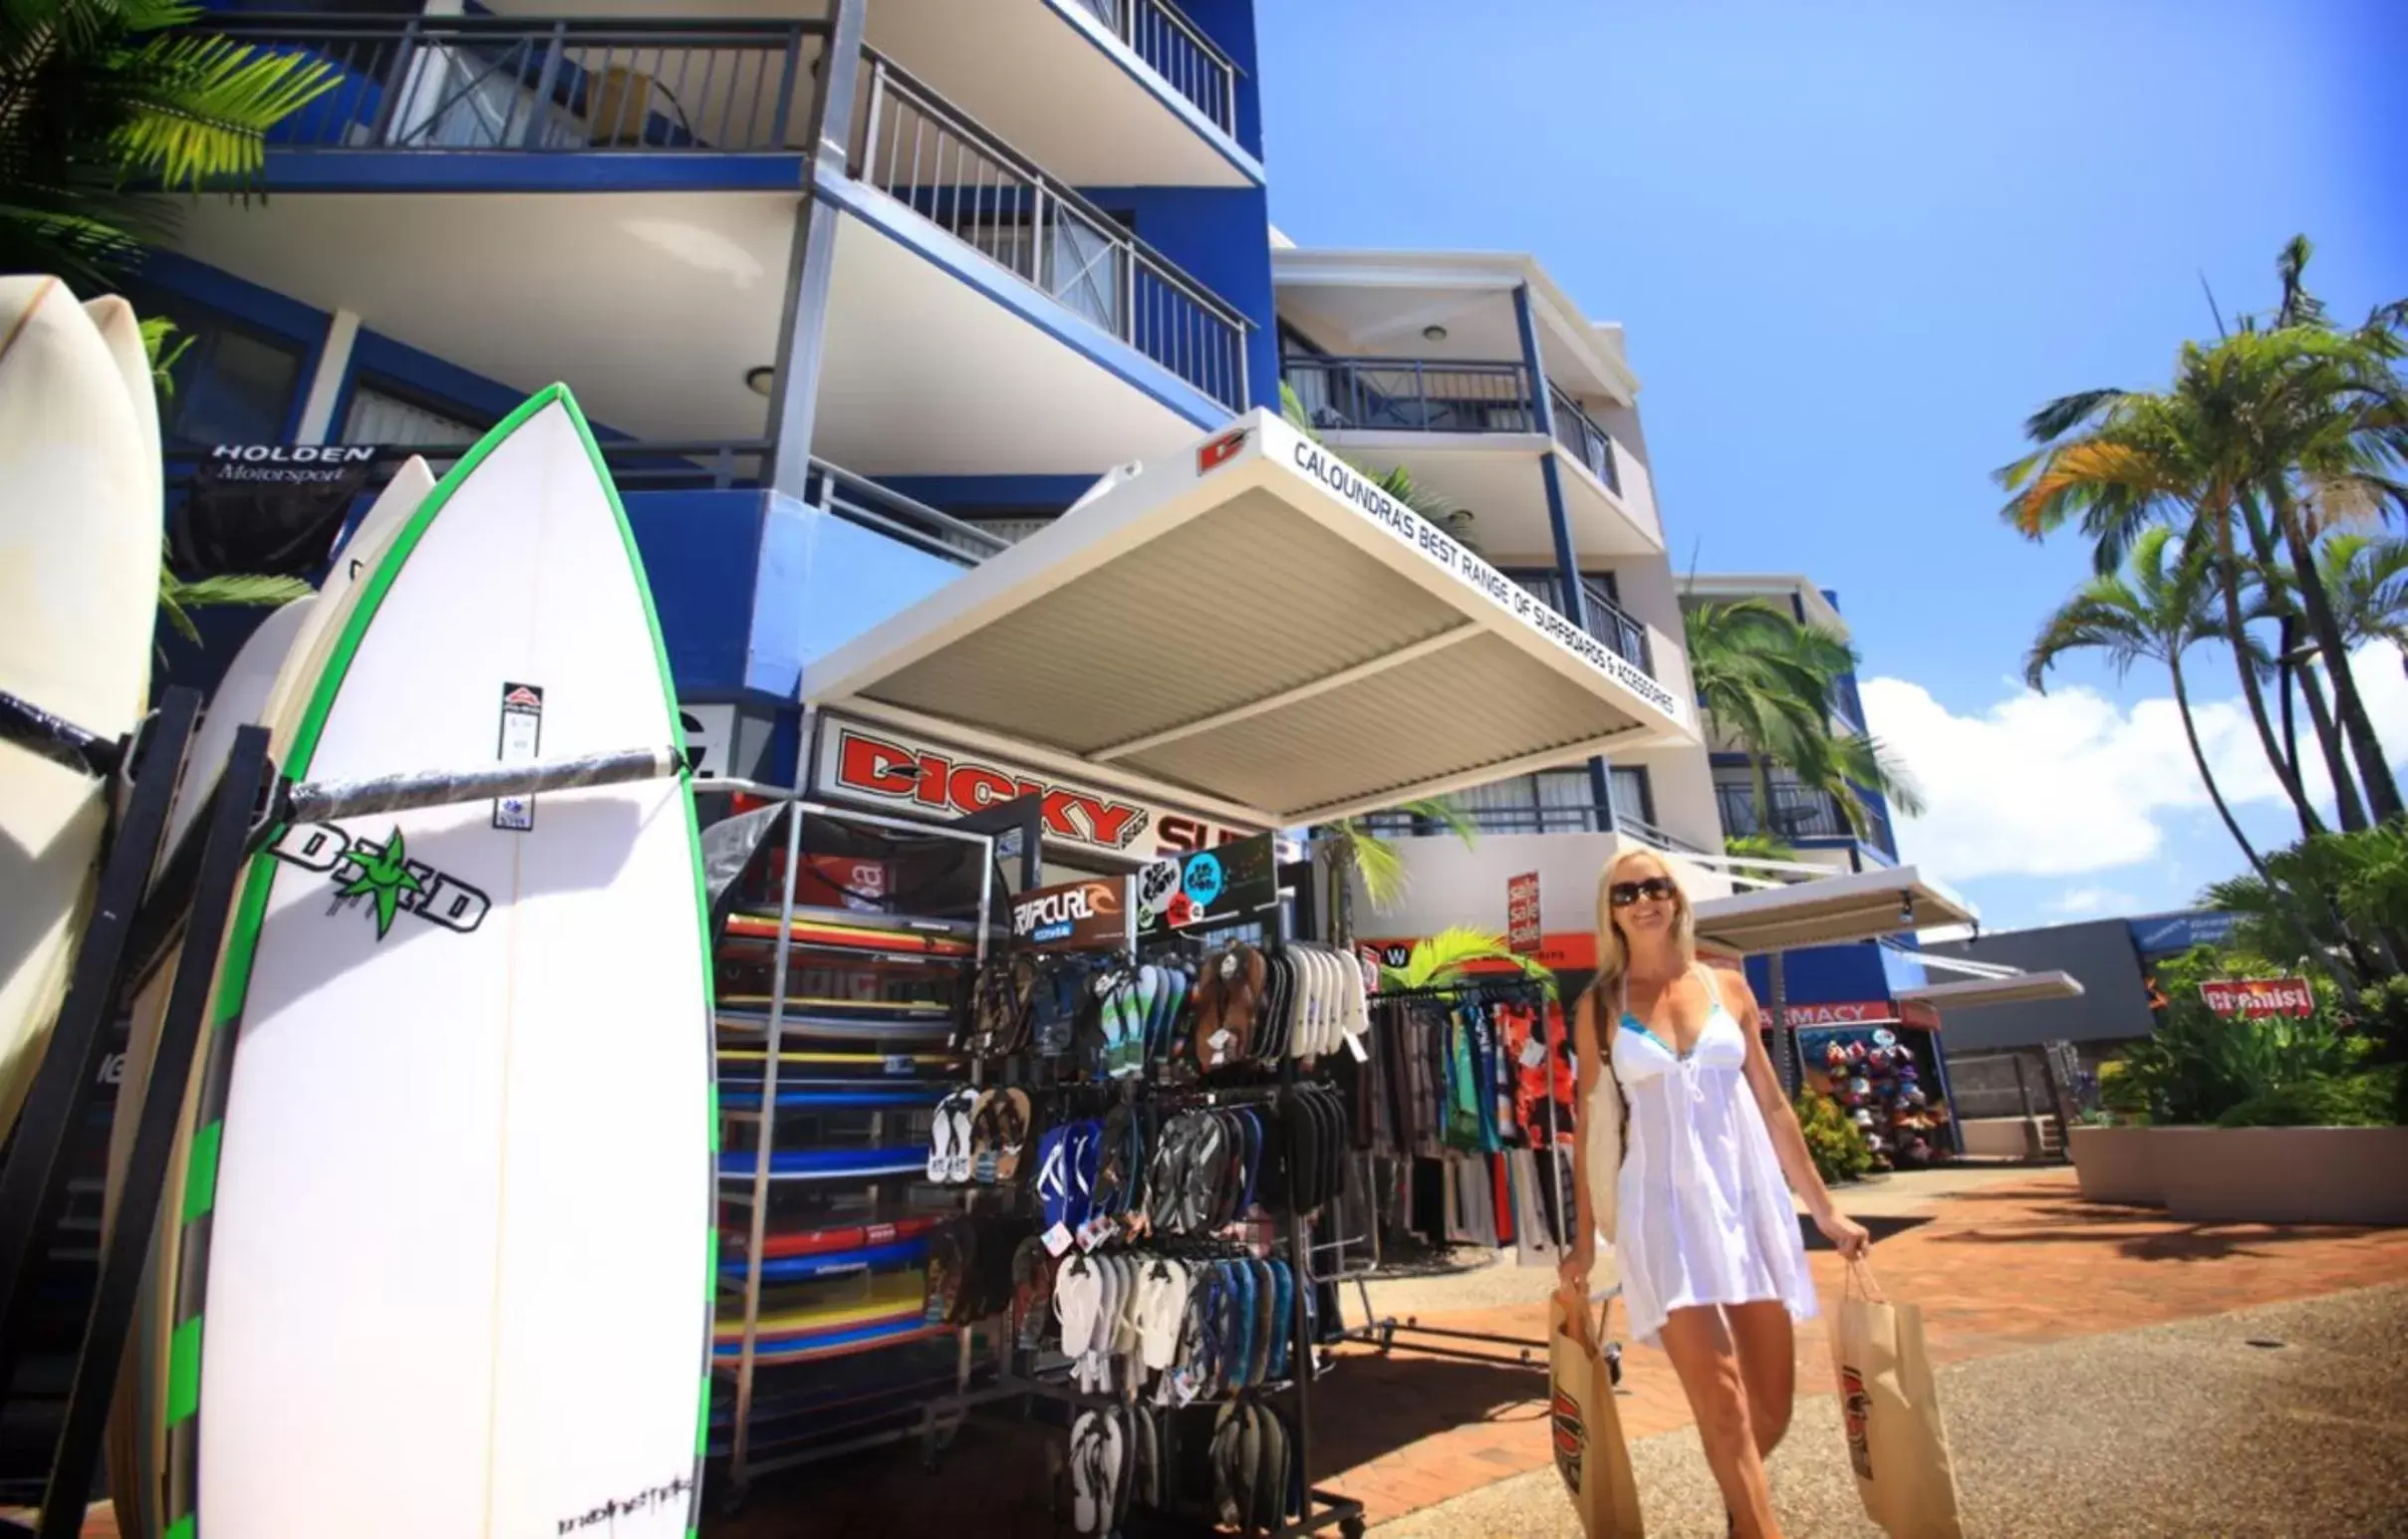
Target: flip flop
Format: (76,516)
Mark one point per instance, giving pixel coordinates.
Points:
(1011,1118)
(943,1130)
(986,1132)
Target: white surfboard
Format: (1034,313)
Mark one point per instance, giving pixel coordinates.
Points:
(267,682)
(447,1255)
(79,588)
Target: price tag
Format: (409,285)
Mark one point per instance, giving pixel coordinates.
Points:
(900,1063)
(1533,1053)
(1354,1044)
(1220,1041)
(1057,1239)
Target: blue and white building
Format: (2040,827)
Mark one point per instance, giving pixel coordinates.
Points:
(861,294)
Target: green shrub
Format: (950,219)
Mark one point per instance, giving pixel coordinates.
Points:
(2200,1065)
(1837,1145)
(2350,1101)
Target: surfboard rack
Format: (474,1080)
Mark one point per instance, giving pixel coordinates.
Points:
(58,739)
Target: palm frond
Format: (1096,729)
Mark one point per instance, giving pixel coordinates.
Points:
(1445,957)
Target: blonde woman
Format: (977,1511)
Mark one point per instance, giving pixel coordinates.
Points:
(1686,1141)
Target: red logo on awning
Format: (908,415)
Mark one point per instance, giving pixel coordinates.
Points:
(1220,452)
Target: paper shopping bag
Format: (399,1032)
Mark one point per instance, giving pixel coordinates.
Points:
(1896,1439)
(1589,1451)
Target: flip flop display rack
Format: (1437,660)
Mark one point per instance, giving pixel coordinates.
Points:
(1170,1121)
(837,1026)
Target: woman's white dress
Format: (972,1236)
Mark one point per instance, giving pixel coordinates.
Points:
(1702,1214)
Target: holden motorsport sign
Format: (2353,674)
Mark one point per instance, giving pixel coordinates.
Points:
(898,772)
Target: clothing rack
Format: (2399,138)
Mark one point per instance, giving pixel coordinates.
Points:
(1383,1331)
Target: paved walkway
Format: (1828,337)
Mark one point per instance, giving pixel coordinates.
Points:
(2285,1419)
(2017,1262)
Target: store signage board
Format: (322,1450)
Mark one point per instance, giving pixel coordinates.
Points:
(268,508)
(1082,915)
(1441,550)
(1856,1012)
(1222,885)
(2256,998)
(904,773)
(1522,934)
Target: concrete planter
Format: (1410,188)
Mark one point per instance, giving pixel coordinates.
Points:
(2351,1176)
(2118,1165)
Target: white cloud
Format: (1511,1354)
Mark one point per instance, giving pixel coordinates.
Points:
(2081,900)
(2075,782)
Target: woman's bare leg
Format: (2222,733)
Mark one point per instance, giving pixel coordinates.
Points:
(1703,1355)
(1767,1367)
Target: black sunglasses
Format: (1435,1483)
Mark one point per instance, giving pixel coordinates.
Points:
(1624,894)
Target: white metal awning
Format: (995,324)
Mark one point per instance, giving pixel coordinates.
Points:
(1251,629)
(2013,989)
(1863,905)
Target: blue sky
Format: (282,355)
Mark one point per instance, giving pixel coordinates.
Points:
(1854,246)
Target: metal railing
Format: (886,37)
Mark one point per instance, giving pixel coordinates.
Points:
(859,500)
(1606,620)
(1589,444)
(1177,51)
(1571,818)
(492,83)
(1648,833)
(1793,812)
(935,160)
(1411,395)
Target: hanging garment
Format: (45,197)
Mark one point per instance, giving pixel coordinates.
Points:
(1703,1215)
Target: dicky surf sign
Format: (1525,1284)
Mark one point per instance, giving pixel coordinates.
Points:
(898,772)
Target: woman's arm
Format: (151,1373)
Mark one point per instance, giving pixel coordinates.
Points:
(1780,1121)
(1581,1257)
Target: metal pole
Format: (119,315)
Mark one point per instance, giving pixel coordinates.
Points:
(1784,1040)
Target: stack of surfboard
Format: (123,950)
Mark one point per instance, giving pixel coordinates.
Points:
(436,1255)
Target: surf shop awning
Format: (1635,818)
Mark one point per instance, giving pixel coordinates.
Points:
(1252,630)
(2014,989)
(1863,905)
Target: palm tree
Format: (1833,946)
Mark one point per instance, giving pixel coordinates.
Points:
(2165,608)
(106,111)
(2367,579)
(2336,436)
(1349,848)
(2263,439)
(1445,957)
(107,108)
(1770,682)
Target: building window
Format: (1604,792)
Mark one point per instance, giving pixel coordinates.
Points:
(381,416)
(233,384)
(1633,796)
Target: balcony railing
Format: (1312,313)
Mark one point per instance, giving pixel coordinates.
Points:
(1607,621)
(492,83)
(1409,395)
(937,161)
(1187,61)
(646,466)
(1579,432)
(1793,812)
(1576,818)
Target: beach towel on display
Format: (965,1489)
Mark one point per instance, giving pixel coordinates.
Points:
(1897,1442)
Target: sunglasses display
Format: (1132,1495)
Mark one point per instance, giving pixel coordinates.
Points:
(1624,894)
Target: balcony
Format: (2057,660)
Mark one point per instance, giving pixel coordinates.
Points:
(1467,430)
(934,159)
(1799,813)
(1183,57)
(484,84)
(1581,817)
(1607,620)
(1588,443)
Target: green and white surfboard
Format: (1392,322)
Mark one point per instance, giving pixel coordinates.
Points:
(446,1245)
